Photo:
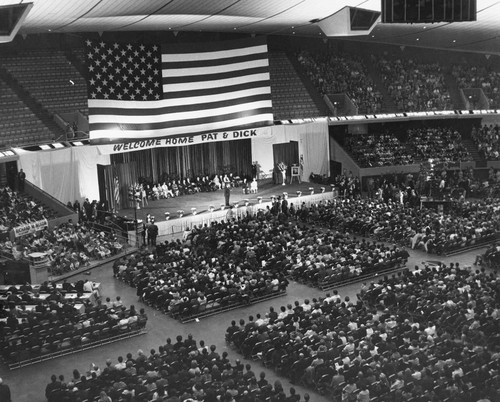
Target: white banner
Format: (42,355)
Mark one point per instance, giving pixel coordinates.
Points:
(31,227)
(256,133)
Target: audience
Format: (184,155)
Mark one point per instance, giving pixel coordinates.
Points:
(466,224)
(371,150)
(19,208)
(182,370)
(425,335)
(68,246)
(485,78)
(374,150)
(487,139)
(440,143)
(414,86)
(40,321)
(342,73)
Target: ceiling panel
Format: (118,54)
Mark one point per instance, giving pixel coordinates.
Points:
(254,16)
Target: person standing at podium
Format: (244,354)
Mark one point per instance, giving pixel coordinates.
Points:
(227,194)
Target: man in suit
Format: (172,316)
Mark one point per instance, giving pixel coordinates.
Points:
(227,193)
(4,392)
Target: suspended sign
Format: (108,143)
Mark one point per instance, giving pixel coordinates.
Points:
(263,132)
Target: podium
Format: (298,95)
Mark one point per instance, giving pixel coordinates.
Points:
(39,267)
(295,172)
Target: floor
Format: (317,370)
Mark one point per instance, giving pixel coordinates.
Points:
(28,384)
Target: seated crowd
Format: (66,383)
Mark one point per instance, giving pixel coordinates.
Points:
(467,223)
(183,370)
(414,86)
(425,336)
(168,188)
(491,257)
(485,78)
(68,246)
(218,262)
(342,73)
(19,208)
(487,139)
(373,150)
(43,320)
(438,143)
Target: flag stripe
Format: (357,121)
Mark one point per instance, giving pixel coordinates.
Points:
(197,54)
(214,62)
(180,119)
(190,86)
(214,76)
(113,135)
(152,106)
(100,113)
(228,91)
(174,118)
(205,71)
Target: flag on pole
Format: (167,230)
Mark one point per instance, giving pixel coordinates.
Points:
(116,191)
(144,91)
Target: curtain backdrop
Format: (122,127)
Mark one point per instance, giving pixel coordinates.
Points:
(67,174)
(288,153)
(188,161)
(313,145)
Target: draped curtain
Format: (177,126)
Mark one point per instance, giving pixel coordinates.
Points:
(312,139)
(67,174)
(287,153)
(156,165)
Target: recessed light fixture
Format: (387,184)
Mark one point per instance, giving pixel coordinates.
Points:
(418,38)
(454,40)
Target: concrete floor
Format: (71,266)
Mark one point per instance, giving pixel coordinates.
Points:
(28,384)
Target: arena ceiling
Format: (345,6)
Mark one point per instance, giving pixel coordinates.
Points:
(277,17)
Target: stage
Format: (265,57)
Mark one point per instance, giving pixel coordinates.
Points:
(203,201)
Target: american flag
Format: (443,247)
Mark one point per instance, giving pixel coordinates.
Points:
(138,91)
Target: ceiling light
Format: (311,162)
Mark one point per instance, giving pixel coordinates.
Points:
(418,38)
(454,40)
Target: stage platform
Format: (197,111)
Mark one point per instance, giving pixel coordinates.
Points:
(203,201)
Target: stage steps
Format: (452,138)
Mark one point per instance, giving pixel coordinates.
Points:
(388,104)
(471,147)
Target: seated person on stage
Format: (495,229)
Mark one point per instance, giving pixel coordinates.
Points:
(175,188)
(205,184)
(254,186)
(245,186)
(216,182)
(156,193)
(226,181)
(165,191)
